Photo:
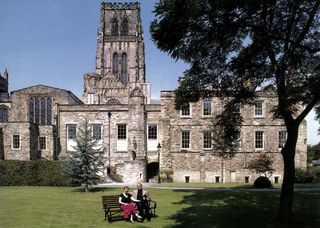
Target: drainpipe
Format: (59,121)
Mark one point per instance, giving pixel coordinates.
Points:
(109,146)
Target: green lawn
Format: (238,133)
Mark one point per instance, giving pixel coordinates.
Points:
(70,207)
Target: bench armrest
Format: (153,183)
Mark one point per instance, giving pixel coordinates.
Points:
(152,204)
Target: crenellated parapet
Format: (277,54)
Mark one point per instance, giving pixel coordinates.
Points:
(120,5)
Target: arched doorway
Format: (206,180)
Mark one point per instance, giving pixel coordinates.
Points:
(152,171)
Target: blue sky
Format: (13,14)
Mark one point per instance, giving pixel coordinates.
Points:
(53,42)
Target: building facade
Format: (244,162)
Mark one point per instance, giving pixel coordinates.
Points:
(138,137)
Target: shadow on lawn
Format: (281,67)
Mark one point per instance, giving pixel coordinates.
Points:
(240,209)
(94,189)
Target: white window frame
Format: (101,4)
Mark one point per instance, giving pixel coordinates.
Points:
(203,142)
(122,144)
(90,98)
(203,104)
(152,144)
(263,140)
(239,141)
(262,115)
(39,142)
(286,136)
(98,141)
(190,112)
(189,144)
(71,143)
(15,148)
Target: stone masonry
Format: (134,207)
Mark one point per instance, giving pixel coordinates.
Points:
(140,139)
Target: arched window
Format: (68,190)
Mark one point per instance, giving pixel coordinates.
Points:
(49,110)
(124,27)
(40,109)
(31,110)
(37,110)
(115,64)
(3,114)
(114,27)
(124,68)
(113,101)
(43,111)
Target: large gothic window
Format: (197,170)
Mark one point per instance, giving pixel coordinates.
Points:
(115,64)
(124,68)
(3,114)
(114,27)
(124,27)
(40,110)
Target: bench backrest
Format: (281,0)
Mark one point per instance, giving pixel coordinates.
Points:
(110,201)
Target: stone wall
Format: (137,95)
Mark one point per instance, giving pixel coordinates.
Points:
(131,115)
(20,101)
(132,44)
(203,165)
(131,172)
(27,143)
(29,132)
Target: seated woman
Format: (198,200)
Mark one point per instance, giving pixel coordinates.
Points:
(127,205)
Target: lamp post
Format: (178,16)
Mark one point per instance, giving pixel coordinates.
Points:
(159,147)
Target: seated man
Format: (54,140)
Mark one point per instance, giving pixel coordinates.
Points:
(143,196)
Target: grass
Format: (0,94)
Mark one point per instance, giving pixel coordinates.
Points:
(71,207)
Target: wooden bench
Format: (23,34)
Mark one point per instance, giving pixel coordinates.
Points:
(112,208)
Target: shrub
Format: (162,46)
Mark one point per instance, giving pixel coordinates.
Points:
(303,176)
(314,171)
(33,173)
(261,164)
(166,175)
(262,182)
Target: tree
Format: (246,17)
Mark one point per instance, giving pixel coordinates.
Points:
(87,159)
(313,153)
(235,48)
(262,164)
(225,147)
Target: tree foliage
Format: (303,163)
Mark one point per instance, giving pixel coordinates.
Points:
(261,164)
(313,153)
(225,137)
(87,159)
(235,48)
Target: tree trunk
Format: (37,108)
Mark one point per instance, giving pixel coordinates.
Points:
(288,154)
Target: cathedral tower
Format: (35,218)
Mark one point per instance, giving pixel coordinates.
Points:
(120,63)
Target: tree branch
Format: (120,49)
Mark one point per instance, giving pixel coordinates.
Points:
(305,112)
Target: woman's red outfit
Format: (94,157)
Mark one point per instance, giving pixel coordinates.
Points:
(129,208)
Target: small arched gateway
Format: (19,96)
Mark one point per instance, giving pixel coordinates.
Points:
(152,172)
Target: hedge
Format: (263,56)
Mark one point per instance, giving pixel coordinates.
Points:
(303,176)
(33,173)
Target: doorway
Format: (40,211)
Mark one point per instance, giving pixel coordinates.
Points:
(152,171)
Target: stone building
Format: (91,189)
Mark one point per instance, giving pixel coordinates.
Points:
(139,137)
